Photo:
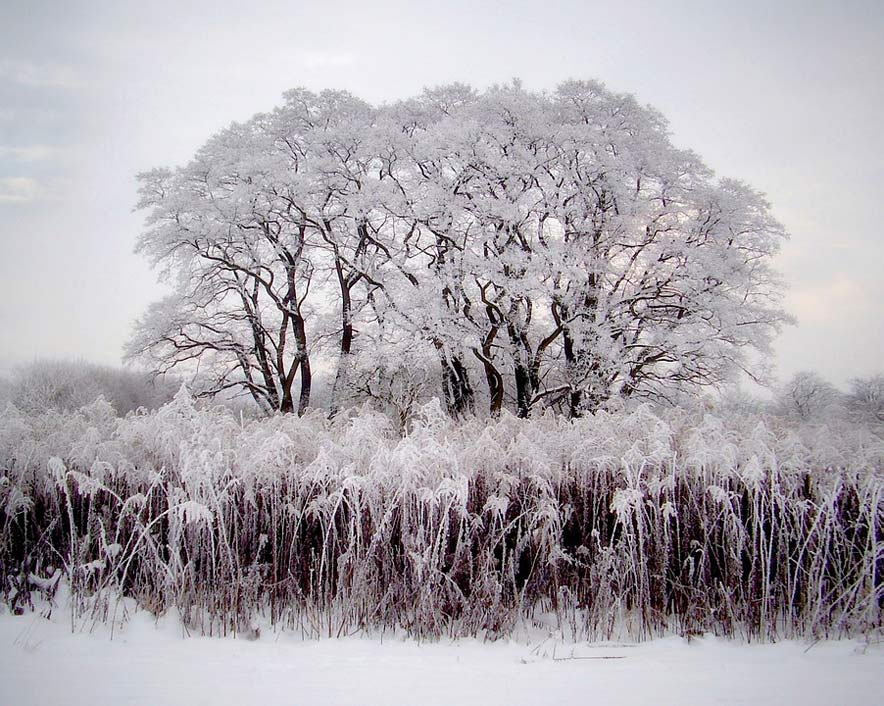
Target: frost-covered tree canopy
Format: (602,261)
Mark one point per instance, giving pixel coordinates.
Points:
(65,385)
(522,249)
(806,395)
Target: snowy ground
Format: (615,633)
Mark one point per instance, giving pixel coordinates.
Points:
(41,662)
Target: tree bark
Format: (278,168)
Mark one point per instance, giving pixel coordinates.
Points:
(493,378)
(341,374)
(526,372)
(575,395)
(459,395)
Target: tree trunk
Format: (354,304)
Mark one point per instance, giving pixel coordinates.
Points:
(494,380)
(527,375)
(303,360)
(342,376)
(287,404)
(495,389)
(523,393)
(346,342)
(459,396)
(575,396)
(306,384)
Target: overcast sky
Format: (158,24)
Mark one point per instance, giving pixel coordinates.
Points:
(786,96)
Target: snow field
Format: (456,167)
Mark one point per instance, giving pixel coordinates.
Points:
(149,662)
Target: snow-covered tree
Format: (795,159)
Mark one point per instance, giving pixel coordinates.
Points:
(866,398)
(574,251)
(556,246)
(255,224)
(807,395)
(66,385)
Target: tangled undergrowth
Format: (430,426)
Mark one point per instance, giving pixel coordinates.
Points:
(632,524)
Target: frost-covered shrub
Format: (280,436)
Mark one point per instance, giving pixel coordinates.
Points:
(635,522)
(67,385)
(807,396)
(866,398)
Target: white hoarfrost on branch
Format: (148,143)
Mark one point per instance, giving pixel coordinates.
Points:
(522,250)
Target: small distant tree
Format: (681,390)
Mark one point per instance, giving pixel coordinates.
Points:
(806,395)
(396,387)
(866,398)
(5,391)
(65,385)
(736,400)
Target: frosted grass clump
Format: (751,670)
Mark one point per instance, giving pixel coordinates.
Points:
(631,523)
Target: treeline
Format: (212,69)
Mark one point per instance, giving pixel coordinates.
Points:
(65,385)
(632,524)
(808,396)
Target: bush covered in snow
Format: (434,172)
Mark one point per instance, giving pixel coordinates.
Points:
(632,523)
(67,385)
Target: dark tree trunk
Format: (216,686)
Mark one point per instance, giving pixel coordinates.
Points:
(302,362)
(346,339)
(523,390)
(495,389)
(526,372)
(459,396)
(287,404)
(493,378)
(306,384)
(575,396)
